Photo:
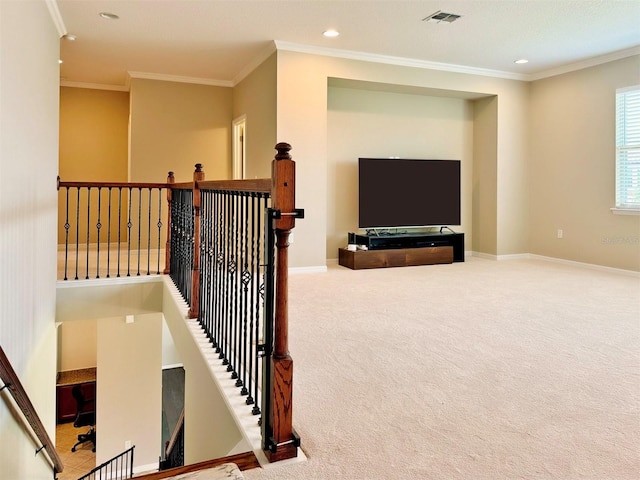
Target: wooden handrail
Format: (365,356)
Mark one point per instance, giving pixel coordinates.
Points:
(244,461)
(12,383)
(182,186)
(112,184)
(174,436)
(259,185)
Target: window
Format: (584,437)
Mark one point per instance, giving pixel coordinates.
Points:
(628,150)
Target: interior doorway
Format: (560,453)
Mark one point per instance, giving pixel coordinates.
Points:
(239,150)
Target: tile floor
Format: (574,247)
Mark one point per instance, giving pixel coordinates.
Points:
(78,463)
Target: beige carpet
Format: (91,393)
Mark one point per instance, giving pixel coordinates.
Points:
(520,369)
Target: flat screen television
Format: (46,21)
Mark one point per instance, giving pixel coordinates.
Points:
(396,192)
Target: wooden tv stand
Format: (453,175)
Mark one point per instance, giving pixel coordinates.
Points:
(403,250)
(395,257)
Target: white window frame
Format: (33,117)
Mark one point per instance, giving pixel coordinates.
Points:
(627,151)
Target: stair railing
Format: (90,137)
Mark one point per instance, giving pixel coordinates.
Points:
(227,252)
(229,260)
(111,229)
(174,449)
(119,467)
(12,384)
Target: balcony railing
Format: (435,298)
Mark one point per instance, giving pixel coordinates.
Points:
(226,250)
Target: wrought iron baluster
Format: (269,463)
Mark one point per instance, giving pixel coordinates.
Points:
(262,203)
(211,249)
(66,234)
(234,290)
(88,229)
(246,279)
(213,267)
(238,289)
(191,243)
(129,225)
(77,228)
(119,226)
(149,235)
(219,258)
(203,282)
(251,300)
(159,224)
(225,281)
(98,227)
(109,236)
(139,225)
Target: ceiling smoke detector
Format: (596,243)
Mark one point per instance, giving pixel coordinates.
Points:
(441,16)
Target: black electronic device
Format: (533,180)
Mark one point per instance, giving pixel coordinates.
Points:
(396,192)
(412,240)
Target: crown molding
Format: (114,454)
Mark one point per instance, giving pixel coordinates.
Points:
(399,61)
(56,16)
(589,62)
(180,79)
(94,86)
(255,63)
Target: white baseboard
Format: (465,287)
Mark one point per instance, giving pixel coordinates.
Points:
(149,468)
(590,266)
(532,256)
(487,256)
(490,256)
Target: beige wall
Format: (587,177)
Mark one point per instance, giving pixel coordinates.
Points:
(94,146)
(176,125)
(129,388)
(77,345)
(485,176)
(94,135)
(366,123)
(255,97)
(572,168)
(29,92)
(129,357)
(304,125)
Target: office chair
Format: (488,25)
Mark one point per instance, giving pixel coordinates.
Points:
(85,417)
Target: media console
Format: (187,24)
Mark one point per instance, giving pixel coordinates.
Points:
(401,250)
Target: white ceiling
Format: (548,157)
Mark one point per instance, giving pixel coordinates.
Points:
(221,40)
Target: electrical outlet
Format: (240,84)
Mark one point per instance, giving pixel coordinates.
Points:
(560,233)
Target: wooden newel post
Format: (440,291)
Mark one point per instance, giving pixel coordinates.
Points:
(194,309)
(284,440)
(167,249)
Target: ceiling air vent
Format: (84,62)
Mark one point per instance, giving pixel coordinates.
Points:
(441,16)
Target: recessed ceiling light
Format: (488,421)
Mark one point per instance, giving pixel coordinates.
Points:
(331,33)
(109,16)
(522,60)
